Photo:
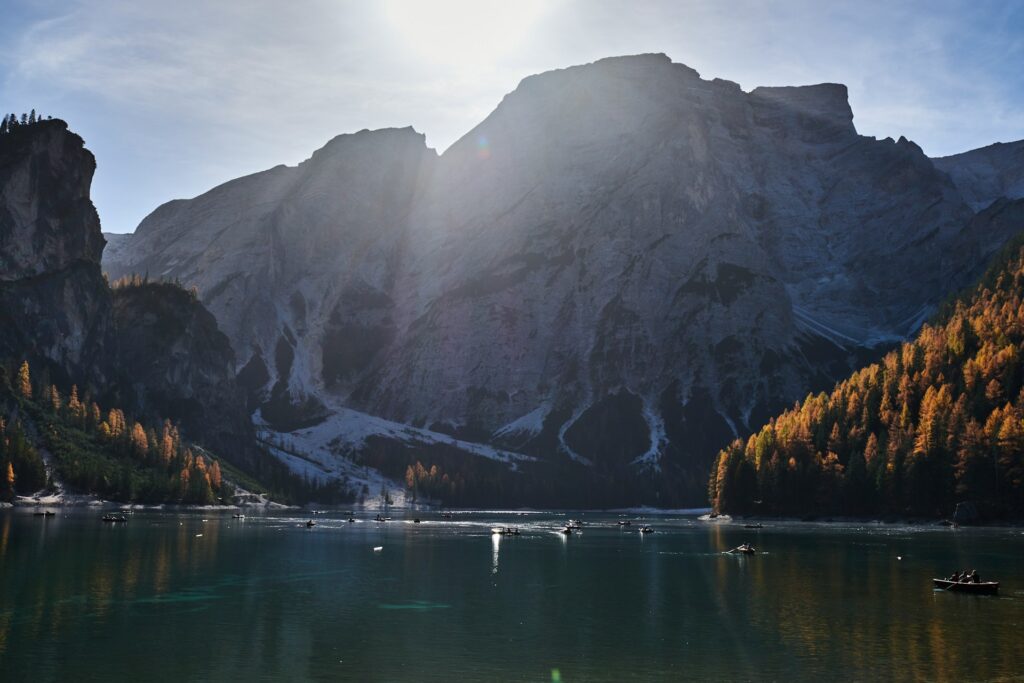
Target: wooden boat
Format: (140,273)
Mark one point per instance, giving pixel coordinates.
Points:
(566,531)
(310,524)
(574,524)
(238,516)
(505,531)
(980,588)
(753,526)
(745,549)
(351,520)
(646,530)
(625,522)
(114,518)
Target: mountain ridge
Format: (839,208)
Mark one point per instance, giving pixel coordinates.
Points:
(622,241)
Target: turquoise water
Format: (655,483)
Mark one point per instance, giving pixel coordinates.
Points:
(268,599)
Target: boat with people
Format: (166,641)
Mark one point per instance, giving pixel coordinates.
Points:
(310,524)
(114,518)
(238,515)
(625,522)
(44,513)
(505,531)
(646,529)
(753,526)
(967,581)
(744,549)
(979,588)
(566,531)
(574,524)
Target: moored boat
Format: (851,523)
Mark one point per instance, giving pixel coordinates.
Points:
(979,588)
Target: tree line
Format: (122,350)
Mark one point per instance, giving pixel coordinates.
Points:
(95,450)
(938,421)
(11,122)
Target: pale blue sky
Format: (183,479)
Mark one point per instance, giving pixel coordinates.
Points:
(176,97)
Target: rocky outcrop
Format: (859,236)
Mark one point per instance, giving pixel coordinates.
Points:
(54,308)
(176,364)
(987,174)
(148,348)
(623,266)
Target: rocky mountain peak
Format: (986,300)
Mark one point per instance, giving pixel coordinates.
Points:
(621,243)
(47,220)
(984,175)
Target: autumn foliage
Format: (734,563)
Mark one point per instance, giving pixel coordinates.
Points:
(939,420)
(95,450)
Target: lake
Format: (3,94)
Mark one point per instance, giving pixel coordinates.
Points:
(202,596)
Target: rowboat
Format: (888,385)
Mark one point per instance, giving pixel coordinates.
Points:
(980,588)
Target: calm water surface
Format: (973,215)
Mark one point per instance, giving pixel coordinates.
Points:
(206,597)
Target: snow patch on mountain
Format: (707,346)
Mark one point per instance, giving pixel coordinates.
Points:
(531,423)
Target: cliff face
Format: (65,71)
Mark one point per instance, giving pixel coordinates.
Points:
(623,266)
(150,349)
(54,308)
(984,175)
(178,365)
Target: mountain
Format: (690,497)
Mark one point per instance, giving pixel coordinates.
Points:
(55,307)
(984,175)
(620,269)
(146,348)
(938,422)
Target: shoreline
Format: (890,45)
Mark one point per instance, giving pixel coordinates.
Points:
(938,522)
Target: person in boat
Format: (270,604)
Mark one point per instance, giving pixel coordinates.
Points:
(974,578)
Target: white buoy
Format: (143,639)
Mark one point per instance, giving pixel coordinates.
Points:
(899,557)
(378,548)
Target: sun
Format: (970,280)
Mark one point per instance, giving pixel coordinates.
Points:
(462,32)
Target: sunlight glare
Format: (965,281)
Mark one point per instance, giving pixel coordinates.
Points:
(463,32)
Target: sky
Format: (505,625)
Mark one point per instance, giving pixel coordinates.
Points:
(174,98)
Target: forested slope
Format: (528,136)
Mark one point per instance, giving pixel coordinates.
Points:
(938,421)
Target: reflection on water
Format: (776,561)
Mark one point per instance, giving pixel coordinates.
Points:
(270,599)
